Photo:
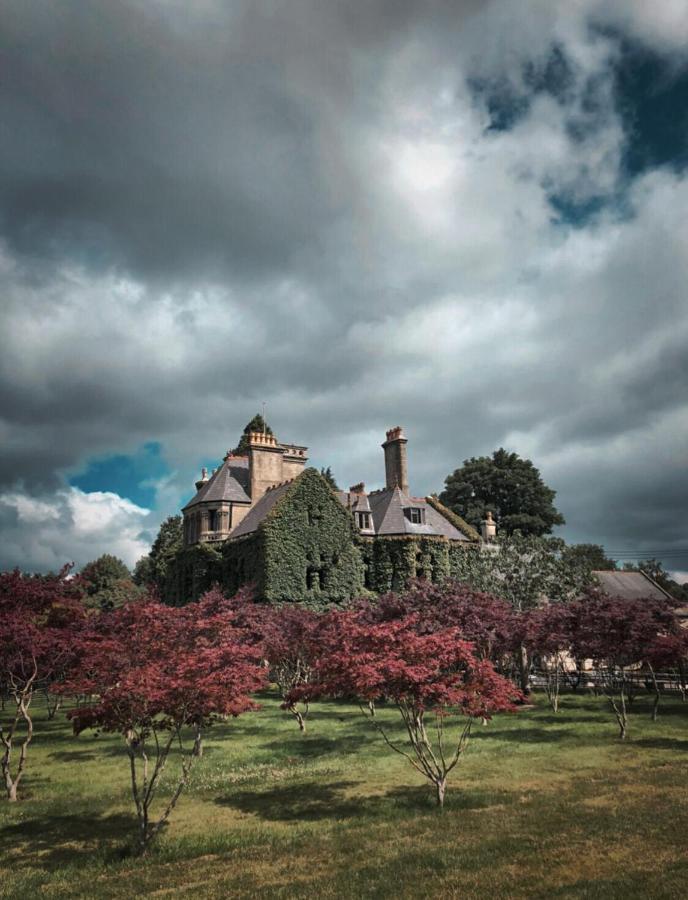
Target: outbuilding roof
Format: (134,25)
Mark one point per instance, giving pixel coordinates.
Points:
(630,585)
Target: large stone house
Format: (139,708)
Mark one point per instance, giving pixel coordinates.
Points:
(264,518)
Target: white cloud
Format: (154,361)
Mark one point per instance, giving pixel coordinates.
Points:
(70,526)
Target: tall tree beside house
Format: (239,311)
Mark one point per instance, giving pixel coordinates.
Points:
(257,423)
(154,568)
(108,583)
(507,486)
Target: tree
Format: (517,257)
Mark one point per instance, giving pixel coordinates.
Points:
(329,478)
(655,569)
(548,636)
(507,486)
(526,572)
(430,678)
(40,617)
(108,583)
(154,568)
(257,423)
(289,647)
(488,622)
(590,556)
(153,672)
(619,635)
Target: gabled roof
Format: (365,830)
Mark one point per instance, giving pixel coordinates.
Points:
(229,483)
(257,514)
(387,508)
(630,585)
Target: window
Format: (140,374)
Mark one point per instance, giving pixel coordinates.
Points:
(212,520)
(364,521)
(415,515)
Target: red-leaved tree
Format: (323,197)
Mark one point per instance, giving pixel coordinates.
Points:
(289,646)
(40,616)
(155,674)
(432,679)
(546,632)
(619,635)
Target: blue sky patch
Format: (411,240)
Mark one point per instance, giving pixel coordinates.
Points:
(132,476)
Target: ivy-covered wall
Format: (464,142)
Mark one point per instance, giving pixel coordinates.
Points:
(394,560)
(192,571)
(309,546)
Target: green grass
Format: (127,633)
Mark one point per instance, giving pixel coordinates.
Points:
(541,806)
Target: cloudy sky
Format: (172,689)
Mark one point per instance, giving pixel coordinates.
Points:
(467,218)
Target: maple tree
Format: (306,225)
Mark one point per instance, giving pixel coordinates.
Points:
(40,616)
(619,635)
(431,678)
(155,673)
(547,634)
(290,648)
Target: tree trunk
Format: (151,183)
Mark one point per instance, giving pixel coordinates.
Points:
(524,668)
(441,787)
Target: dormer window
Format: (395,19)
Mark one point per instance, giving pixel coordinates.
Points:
(363,521)
(415,515)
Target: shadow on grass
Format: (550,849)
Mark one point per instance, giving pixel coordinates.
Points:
(308,746)
(308,802)
(663,743)
(49,841)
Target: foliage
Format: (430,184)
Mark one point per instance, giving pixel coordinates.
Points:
(152,671)
(428,677)
(329,478)
(490,624)
(191,572)
(108,583)
(619,635)
(588,556)
(158,568)
(258,424)
(393,561)
(506,485)
(305,548)
(288,642)
(39,620)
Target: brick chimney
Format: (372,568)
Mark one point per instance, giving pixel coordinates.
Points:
(396,468)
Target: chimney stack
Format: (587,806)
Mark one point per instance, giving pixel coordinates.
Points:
(396,468)
(202,480)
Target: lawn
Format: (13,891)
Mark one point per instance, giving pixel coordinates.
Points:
(542,805)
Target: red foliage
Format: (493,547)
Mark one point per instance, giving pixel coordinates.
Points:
(488,622)
(436,673)
(40,617)
(178,665)
(153,670)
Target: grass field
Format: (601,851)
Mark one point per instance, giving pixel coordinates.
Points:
(542,805)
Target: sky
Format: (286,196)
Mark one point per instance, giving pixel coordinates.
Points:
(465,218)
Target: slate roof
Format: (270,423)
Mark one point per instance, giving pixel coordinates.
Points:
(229,483)
(630,585)
(387,508)
(255,516)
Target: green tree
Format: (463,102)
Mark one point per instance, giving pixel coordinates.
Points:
(509,487)
(591,556)
(154,568)
(526,571)
(108,583)
(257,423)
(329,478)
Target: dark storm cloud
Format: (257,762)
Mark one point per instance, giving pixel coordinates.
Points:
(365,214)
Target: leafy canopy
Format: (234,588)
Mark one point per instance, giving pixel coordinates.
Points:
(507,486)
